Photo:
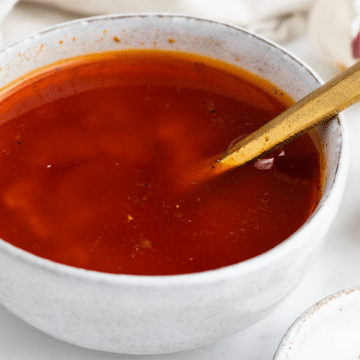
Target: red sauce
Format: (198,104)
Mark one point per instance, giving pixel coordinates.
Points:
(94,151)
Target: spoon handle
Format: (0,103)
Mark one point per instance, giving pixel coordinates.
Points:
(315,108)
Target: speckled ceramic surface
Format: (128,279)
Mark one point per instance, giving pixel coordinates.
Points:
(328,330)
(147,315)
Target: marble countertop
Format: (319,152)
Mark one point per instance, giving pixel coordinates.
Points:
(337,267)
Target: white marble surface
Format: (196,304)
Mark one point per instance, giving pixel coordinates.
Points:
(337,268)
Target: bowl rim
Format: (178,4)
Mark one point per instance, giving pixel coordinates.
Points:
(325,304)
(190,279)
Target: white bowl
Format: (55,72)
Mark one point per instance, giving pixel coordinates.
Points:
(328,330)
(146,315)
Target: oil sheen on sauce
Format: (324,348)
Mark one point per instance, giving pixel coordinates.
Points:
(94,151)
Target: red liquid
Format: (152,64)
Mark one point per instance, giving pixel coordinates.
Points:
(94,152)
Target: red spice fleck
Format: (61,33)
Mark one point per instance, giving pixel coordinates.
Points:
(355,46)
(116,39)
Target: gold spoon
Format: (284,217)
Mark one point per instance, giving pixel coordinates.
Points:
(315,108)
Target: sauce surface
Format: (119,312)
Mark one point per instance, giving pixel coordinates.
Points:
(94,152)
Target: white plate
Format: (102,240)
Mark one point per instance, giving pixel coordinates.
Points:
(328,330)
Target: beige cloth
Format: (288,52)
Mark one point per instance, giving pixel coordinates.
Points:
(280,20)
(332,24)
(5,8)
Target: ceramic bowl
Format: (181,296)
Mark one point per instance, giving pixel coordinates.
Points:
(328,330)
(147,315)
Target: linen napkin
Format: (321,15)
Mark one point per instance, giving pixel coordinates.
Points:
(5,8)
(279,20)
(334,29)
(333,25)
